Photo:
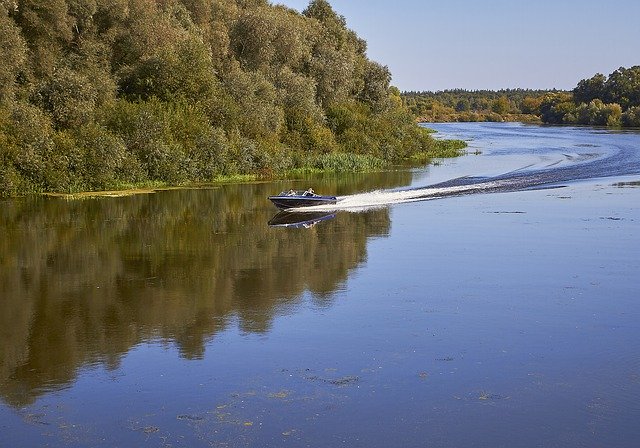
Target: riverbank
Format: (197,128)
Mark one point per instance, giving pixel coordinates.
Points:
(144,97)
(317,164)
(473,117)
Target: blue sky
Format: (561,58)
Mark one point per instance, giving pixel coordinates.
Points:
(493,44)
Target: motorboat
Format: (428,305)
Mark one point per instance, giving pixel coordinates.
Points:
(298,220)
(295,199)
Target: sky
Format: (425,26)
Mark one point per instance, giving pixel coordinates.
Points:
(493,44)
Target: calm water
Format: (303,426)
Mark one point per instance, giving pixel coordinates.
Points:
(506,313)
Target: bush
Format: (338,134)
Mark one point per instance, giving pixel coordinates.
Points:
(172,141)
(347,162)
(631,117)
(30,133)
(10,179)
(596,113)
(102,161)
(11,183)
(69,97)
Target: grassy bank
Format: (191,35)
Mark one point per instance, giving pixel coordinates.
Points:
(317,164)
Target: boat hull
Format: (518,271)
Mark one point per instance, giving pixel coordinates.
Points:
(285,202)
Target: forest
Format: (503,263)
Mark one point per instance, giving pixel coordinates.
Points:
(114,94)
(476,105)
(597,101)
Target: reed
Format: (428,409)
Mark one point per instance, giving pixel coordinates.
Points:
(339,162)
(439,150)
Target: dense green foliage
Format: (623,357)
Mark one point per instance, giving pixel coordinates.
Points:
(477,105)
(600,101)
(101,94)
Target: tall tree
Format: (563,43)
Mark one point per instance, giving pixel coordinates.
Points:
(590,89)
(623,87)
(47,28)
(13,54)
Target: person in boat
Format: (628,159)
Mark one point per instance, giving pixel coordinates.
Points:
(291,193)
(309,192)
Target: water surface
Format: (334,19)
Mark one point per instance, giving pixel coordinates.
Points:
(504,313)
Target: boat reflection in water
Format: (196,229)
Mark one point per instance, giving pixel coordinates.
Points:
(297,220)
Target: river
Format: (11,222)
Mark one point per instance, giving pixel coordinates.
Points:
(488,301)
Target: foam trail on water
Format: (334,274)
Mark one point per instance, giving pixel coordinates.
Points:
(380,198)
(612,161)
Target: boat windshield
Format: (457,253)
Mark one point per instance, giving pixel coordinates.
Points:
(297,193)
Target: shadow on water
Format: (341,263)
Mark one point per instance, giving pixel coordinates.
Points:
(84,281)
(299,220)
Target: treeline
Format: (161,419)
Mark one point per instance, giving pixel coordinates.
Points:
(600,101)
(103,94)
(476,105)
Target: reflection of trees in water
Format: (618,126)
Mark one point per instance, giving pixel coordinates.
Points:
(81,282)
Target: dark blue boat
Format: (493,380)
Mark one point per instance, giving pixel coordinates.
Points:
(295,199)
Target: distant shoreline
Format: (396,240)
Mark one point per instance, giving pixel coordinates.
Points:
(473,117)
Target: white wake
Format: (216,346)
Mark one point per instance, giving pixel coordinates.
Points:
(381,198)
